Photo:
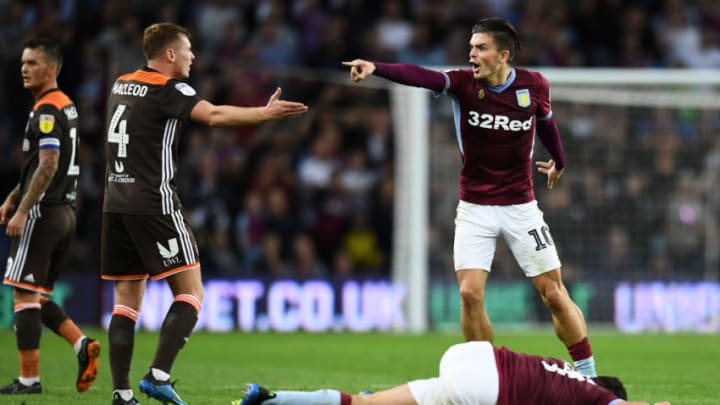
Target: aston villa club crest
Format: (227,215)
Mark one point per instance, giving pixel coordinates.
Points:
(523,97)
(481,94)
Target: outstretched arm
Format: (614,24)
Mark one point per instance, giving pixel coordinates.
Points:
(233,116)
(403,73)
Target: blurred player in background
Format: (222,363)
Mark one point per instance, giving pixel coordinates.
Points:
(498,109)
(473,373)
(39,215)
(144,233)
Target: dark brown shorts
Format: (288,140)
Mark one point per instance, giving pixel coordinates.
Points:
(137,246)
(37,257)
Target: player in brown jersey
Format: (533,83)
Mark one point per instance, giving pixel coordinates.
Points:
(39,216)
(473,373)
(498,109)
(144,232)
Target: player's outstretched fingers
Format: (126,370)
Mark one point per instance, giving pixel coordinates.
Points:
(276,95)
(357,72)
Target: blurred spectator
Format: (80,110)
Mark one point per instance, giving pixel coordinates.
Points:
(381,217)
(279,219)
(678,34)
(357,179)
(219,24)
(380,144)
(422,50)
(122,42)
(305,264)
(361,244)
(275,42)
(686,226)
(250,229)
(271,264)
(393,30)
(342,266)
(315,169)
(332,207)
(313,20)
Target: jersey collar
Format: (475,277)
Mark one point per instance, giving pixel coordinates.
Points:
(48,91)
(508,82)
(149,69)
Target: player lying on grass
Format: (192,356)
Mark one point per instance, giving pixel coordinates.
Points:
(473,373)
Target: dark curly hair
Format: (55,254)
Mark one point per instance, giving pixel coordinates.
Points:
(612,384)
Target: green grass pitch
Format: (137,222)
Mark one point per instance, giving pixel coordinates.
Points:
(213,368)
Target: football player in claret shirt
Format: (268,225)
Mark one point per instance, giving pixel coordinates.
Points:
(39,215)
(144,233)
(498,110)
(472,373)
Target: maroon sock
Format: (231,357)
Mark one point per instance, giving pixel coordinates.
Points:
(345,398)
(580,350)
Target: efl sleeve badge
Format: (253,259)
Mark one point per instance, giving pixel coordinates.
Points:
(46,123)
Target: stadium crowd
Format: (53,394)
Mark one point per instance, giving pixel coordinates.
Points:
(314,196)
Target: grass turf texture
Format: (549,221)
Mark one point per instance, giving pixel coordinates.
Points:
(214,367)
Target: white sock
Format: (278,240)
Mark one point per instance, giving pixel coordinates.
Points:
(586,366)
(126,395)
(320,397)
(28,381)
(78,344)
(159,374)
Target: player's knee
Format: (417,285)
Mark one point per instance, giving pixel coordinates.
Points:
(555,297)
(21,296)
(472,295)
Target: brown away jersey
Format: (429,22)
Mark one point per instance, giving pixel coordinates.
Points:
(52,125)
(146,110)
(495,130)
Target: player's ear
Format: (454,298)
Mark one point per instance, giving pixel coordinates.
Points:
(54,69)
(505,56)
(170,54)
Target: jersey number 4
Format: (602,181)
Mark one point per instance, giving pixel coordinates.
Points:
(117,131)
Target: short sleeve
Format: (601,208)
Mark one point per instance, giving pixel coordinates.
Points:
(179,99)
(48,127)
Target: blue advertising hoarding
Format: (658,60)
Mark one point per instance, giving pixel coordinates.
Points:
(379,305)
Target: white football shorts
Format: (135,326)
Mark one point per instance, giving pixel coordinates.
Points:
(468,376)
(523,228)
